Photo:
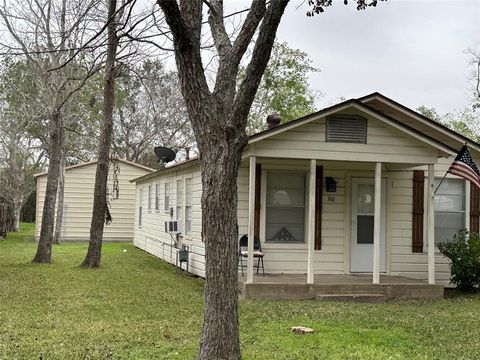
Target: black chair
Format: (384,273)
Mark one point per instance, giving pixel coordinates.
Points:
(257,252)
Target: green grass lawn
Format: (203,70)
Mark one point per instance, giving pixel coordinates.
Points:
(137,307)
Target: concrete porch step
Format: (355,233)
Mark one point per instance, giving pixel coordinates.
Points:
(359,298)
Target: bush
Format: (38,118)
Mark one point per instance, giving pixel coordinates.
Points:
(464,254)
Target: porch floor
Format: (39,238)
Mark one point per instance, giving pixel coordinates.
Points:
(295,287)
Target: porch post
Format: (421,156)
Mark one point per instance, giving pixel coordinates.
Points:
(311,221)
(467,205)
(376,223)
(251,219)
(431,225)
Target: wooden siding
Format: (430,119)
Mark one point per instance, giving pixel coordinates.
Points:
(292,258)
(151,236)
(403,261)
(290,151)
(384,143)
(333,258)
(79,186)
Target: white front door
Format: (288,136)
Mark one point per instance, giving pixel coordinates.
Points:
(361,253)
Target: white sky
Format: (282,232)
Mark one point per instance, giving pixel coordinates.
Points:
(409,50)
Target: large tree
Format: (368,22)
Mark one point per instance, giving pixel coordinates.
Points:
(121,51)
(465,121)
(44,33)
(218,115)
(474,63)
(20,151)
(24,129)
(284,88)
(100,206)
(219,118)
(149,111)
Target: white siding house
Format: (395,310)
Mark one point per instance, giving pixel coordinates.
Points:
(337,195)
(178,188)
(78,203)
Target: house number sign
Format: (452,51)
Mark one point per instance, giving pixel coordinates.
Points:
(331,199)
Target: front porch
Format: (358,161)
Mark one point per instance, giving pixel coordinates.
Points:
(295,287)
(318,204)
(362,225)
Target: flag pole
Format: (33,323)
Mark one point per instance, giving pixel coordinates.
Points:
(440,183)
(444,176)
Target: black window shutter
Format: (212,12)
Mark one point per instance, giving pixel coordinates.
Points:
(417,210)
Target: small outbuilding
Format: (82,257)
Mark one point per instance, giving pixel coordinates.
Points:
(78,203)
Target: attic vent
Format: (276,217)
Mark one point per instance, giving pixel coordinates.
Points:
(346,129)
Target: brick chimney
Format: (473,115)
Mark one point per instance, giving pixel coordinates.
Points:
(273,120)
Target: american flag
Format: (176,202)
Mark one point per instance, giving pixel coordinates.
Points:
(465,167)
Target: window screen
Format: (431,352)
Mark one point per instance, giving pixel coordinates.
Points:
(149,197)
(346,129)
(449,209)
(166,202)
(285,207)
(179,200)
(157,197)
(188,206)
(140,207)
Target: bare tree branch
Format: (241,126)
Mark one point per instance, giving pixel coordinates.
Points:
(260,56)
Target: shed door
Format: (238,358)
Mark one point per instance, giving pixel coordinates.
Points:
(363,200)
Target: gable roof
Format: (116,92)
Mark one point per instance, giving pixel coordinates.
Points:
(413,118)
(86,163)
(300,121)
(411,122)
(407,128)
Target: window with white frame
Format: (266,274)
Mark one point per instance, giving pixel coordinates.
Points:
(157,197)
(188,206)
(179,200)
(449,209)
(166,203)
(149,197)
(140,203)
(285,207)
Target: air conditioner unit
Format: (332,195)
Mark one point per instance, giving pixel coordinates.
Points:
(171,227)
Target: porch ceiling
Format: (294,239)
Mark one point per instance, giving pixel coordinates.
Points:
(294,164)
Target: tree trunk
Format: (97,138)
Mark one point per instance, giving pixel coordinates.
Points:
(57,236)
(17,209)
(44,249)
(17,172)
(220,335)
(219,119)
(92,260)
(3,221)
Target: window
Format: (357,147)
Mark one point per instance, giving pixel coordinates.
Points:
(449,209)
(149,197)
(285,207)
(166,204)
(188,206)
(346,129)
(140,202)
(157,197)
(179,210)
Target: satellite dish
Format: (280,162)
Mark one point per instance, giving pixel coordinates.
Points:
(164,154)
